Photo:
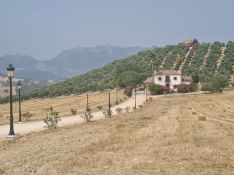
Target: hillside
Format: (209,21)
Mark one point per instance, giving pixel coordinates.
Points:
(68,63)
(164,137)
(203,60)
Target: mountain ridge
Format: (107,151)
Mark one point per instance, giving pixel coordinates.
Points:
(68,63)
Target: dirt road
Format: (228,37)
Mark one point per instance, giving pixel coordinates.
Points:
(28,127)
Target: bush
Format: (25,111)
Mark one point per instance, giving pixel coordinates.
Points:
(27,116)
(73,111)
(216,84)
(128,90)
(164,89)
(51,119)
(87,115)
(119,110)
(154,89)
(193,87)
(99,107)
(207,87)
(183,88)
(107,113)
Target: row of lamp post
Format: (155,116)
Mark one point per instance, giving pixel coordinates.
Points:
(10,73)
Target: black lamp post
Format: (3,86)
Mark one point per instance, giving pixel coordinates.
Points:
(116,95)
(135,96)
(109,105)
(18,85)
(10,74)
(87,105)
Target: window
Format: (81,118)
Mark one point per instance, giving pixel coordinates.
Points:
(175,78)
(175,86)
(159,78)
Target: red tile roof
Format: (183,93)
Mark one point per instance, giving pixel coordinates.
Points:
(168,72)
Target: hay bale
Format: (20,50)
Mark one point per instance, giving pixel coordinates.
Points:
(194,113)
(202,118)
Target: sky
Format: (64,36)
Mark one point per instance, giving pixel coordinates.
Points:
(44,28)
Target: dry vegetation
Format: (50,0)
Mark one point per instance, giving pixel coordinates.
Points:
(164,137)
(63,104)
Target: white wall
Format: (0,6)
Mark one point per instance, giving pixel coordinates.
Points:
(172,81)
(162,82)
(175,82)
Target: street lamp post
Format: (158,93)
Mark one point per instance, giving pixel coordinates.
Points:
(109,105)
(19,88)
(87,105)
(135,96)
(10,74)
(116,95)
(146,92)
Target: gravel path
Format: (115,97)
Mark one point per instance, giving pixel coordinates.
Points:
(27,127)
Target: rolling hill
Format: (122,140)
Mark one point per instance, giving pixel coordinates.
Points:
(201,59)
(68,63)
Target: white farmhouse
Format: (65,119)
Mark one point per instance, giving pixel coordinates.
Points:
(168,78)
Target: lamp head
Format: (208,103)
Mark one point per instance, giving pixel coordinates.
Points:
(10,71)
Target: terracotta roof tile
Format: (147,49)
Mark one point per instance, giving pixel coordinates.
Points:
(168,72)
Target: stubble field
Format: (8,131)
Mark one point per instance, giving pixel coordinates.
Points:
(164,137)
(37,108)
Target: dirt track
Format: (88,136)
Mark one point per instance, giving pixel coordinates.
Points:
(165,137)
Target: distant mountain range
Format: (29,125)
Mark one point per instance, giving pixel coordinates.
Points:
(68,63)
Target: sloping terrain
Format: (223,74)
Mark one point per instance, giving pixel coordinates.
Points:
(201,59)
(164,137)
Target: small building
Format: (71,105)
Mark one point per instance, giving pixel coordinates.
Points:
(169,78)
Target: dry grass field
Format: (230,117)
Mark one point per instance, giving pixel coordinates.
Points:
(165,137)
(61,104)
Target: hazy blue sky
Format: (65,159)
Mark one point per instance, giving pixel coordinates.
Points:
(43,28)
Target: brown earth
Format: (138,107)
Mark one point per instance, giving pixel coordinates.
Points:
(62,104)
(164,137)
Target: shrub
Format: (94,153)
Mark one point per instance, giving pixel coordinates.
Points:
(99,107)
(107,113)
(183,88)
(193,87)
(51,119)
(127,109)
(164,89)
(87,115)
(216,84)
(206,87)
(128,90)
(119,110)
(73,111)
(27,116)
(154,89)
